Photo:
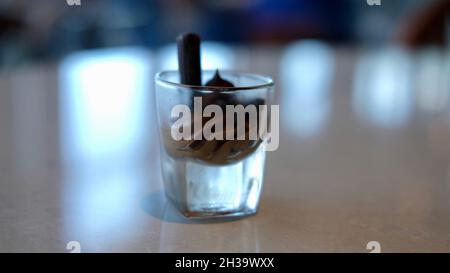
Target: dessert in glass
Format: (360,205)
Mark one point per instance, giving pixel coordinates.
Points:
(207,176)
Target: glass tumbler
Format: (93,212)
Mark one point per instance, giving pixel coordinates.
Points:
(216,177)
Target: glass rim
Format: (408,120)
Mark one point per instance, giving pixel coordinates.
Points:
(267,82)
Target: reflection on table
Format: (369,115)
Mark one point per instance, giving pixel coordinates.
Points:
(364,153)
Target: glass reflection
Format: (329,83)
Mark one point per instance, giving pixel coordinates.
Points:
(307,70)
(104,96)
(244,238)
(383,87)
(213,55)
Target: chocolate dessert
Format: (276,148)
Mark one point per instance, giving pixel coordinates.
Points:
(216,152)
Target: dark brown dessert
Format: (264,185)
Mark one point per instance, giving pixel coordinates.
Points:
(218,81)
(217,152)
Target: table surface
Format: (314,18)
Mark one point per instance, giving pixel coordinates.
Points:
(364,156)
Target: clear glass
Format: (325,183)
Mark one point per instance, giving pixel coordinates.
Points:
(211,178)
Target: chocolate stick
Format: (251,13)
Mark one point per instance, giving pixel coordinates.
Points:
(189,59)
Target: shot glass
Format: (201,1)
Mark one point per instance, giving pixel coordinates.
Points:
(206,177)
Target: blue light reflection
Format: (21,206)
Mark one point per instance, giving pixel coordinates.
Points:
(307,70)
(383,87)
(105,130)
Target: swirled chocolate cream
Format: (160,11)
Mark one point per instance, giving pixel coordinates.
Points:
(216,151)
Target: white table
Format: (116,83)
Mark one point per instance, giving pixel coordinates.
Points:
(366,158)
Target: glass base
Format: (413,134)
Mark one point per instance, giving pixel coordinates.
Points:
(217,214)
(200,190)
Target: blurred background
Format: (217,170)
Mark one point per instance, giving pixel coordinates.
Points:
(364,117)
(50,29)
